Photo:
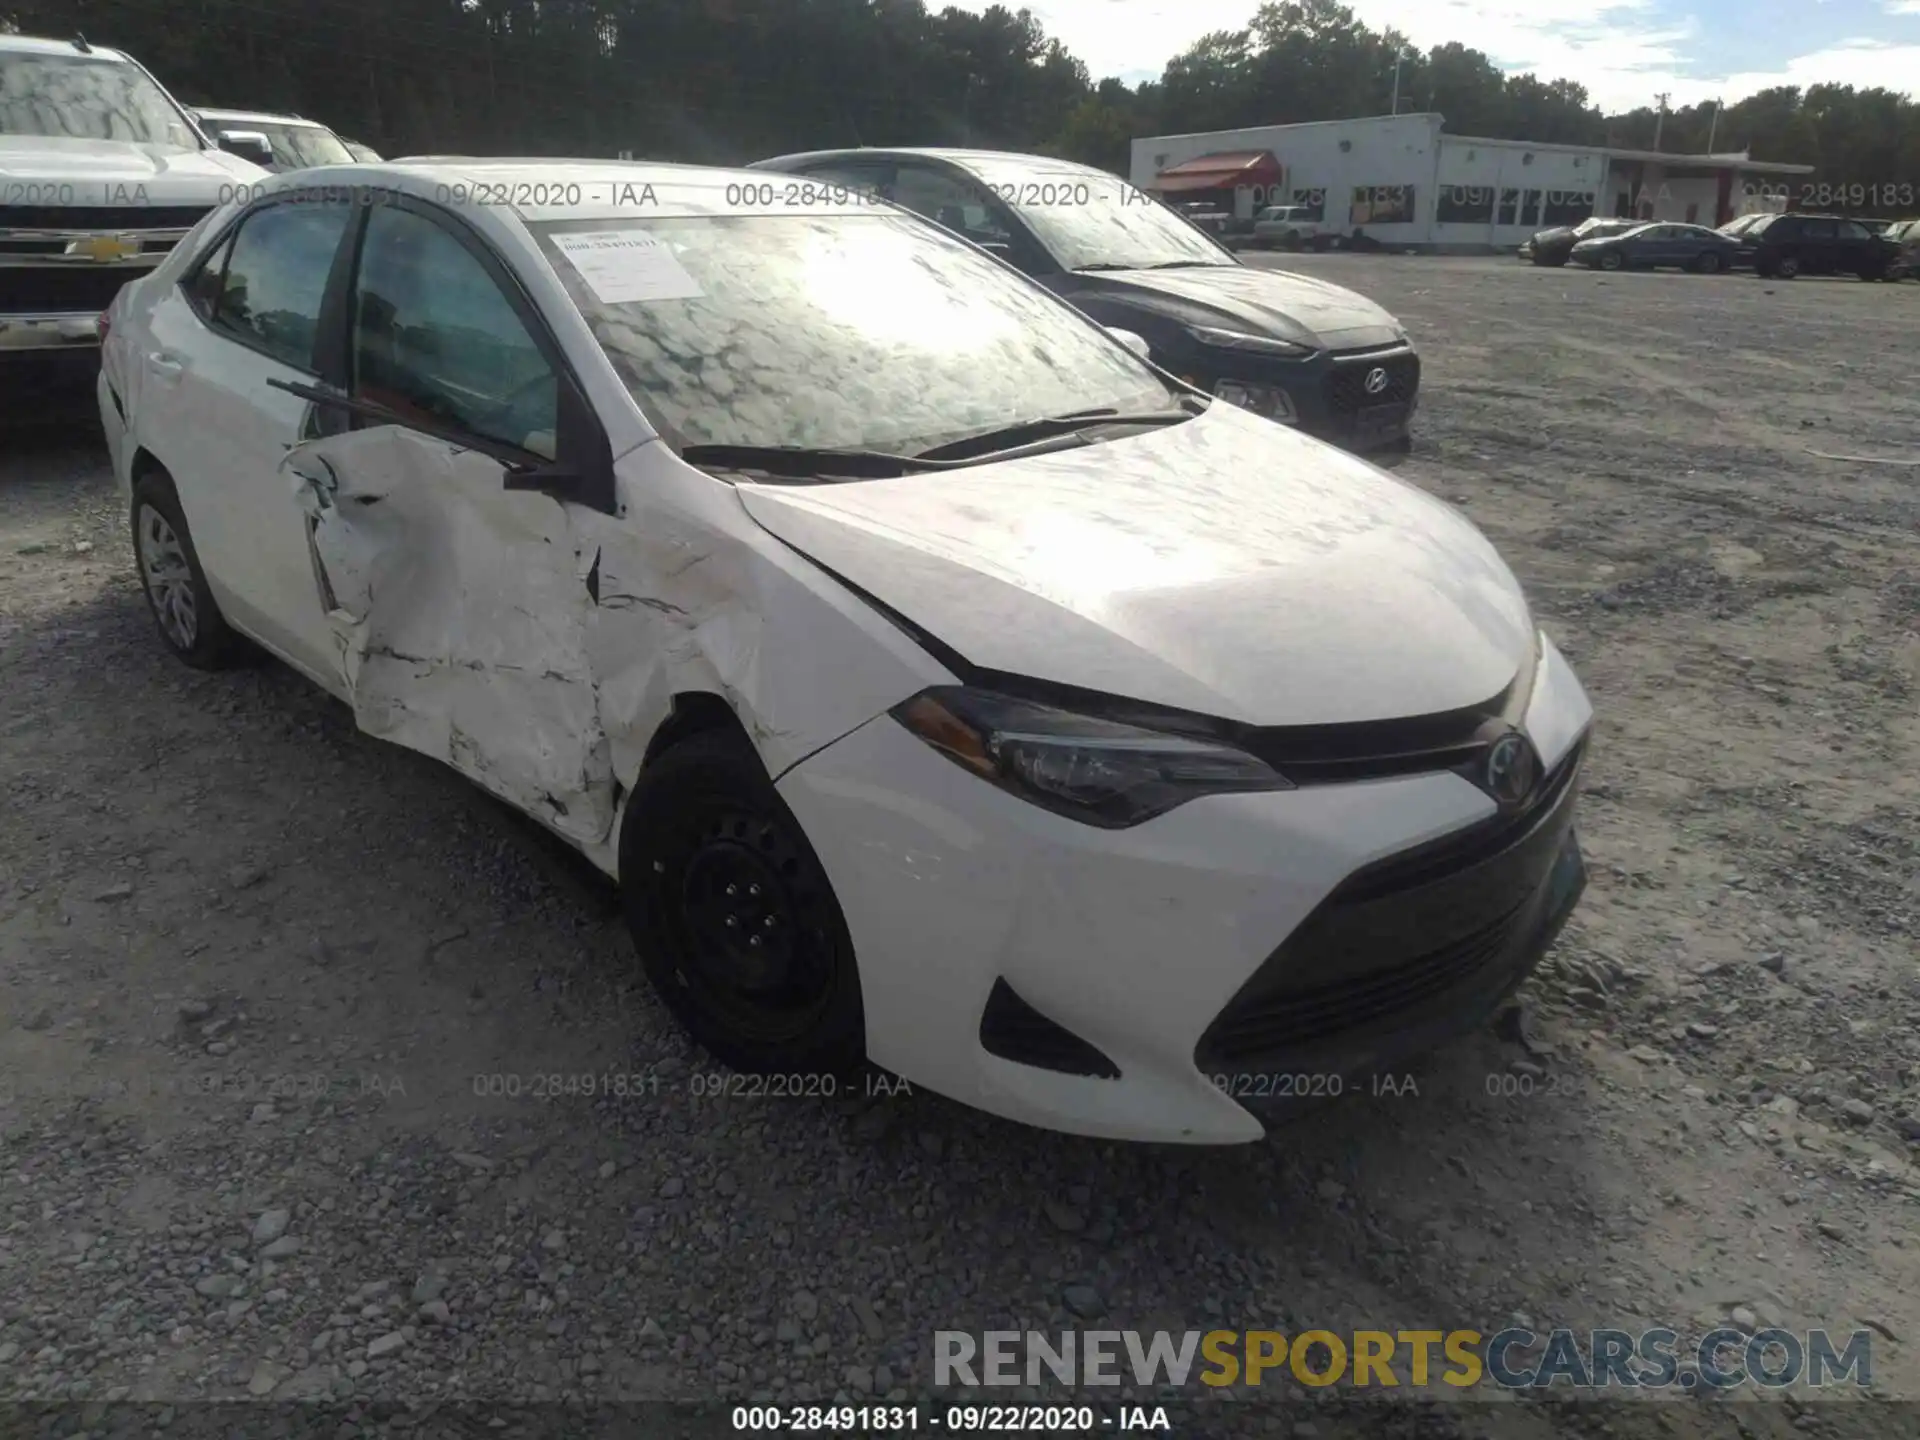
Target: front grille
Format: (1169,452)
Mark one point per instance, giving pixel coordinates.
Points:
(1402,939)
(113,219)
(62,289)
(1347,382)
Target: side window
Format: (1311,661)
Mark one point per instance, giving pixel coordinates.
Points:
(1817,230)
(855,176)
(1849,230)
(963,208)
(202,287)
(435,339)
(271,277)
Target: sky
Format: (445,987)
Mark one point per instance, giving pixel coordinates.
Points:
(1624,51)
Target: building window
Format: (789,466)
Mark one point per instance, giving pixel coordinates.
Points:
(1382,205)
(1566,207)
(1465,205)
(1313,204)
(1509,213)
(1530,210)
(1693,211)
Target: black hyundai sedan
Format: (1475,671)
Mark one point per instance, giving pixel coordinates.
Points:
(1663,245)
(1287,346)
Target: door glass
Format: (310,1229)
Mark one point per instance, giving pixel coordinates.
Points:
(276,272)
(1817,230)
(435,340)
(962,208)
(1850,230)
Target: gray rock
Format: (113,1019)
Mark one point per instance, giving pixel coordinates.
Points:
(435,1312)
(120,891)
(1701,1030)
(1774,961)
(858,1379)
(281,1249)
(1065,1217)
(1858,1111)
(672,1186)
(430,1286)
(1744,1319)
(192,1010)
(1084,1301)
(388,1344)
(554,1242)
(805,1305)
(271,1225)
(217,1287)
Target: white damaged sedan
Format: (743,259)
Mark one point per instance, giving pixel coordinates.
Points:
(946,688)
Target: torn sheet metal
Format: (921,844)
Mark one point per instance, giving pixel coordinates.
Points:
(460,622)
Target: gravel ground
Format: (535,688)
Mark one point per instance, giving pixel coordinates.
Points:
(278,1003)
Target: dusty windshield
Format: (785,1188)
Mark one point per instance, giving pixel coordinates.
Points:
(858,331)
(87,98)
(296,147)
(1088,218)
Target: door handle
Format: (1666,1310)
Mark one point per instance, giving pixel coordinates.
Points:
(166,366)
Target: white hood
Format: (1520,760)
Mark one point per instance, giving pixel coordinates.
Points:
(119,172)
(1226,565)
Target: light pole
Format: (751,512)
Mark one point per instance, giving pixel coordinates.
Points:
(1398,56)
(1713,127)
(1660,119)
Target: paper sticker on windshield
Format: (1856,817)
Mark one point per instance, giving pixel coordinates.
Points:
(622,266)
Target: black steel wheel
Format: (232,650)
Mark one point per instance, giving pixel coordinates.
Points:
(734,919)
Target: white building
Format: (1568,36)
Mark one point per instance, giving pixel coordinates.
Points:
(1405,182)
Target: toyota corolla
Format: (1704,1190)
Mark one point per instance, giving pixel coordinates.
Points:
(946,688)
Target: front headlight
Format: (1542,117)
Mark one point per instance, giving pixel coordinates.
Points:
(1092,770)
(1241,340)
(1267,400)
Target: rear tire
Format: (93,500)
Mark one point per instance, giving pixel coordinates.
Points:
(1612,260)
(1786,267)
(1708,264)
(183,608)
(734,919)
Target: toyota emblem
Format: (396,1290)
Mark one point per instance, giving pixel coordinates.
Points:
(1512,768)
(1376,380)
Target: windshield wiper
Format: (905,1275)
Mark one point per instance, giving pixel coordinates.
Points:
(1189,265)
(806,462)
(989,442)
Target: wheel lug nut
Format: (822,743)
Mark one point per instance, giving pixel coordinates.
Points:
(733,889)
(754,941)
(767,923)
(753,889)
(732,921)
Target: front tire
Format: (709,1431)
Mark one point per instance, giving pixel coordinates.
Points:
(734,919)
(183,607)
(1787,267)
(1708,264)
(1612,261)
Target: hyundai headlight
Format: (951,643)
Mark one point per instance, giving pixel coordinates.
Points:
(1242,340)
(1092,770)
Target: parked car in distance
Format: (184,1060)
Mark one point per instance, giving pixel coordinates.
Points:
(929,670)
(365,154)
(102,172)
(1553,246)
(1789,245)
(1292,348)
(1906,264)
(1210,218)
(296,143)
(1662,244)
(1289,227)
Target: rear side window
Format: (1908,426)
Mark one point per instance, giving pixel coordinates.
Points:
(263,287)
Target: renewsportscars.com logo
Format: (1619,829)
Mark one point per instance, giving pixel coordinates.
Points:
(1511,1359)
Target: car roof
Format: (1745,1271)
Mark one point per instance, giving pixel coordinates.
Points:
(35,45)
(973,161)
(262,117)
(546,189)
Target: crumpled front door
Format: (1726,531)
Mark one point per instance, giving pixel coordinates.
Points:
(459,617)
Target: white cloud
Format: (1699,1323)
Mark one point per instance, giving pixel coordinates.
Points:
(1613,47)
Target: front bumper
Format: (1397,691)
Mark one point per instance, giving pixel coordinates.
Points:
(41,333)
(1143,945)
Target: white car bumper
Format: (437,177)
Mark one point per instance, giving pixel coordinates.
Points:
(1136,941)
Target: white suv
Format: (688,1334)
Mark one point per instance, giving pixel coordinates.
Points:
(101,174)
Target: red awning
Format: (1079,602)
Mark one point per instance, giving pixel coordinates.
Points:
(1227,171)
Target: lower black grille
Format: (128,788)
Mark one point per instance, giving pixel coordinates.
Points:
(1014,1030)
(114,219)
(1347,389)
(1399,940)
(62,289)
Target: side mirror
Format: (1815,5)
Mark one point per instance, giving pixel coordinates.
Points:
(248,145)
(1133,340)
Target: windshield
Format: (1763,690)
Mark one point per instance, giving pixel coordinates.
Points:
(871,331)
(1087,217)
(296,147)
(88,98)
